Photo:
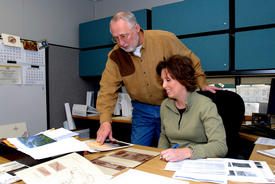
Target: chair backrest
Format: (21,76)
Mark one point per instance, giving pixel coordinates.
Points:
(231,108)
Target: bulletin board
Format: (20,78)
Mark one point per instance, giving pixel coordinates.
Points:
(23,92)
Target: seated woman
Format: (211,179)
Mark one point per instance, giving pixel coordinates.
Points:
(188,119)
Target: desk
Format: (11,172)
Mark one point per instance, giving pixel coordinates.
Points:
(249,137)
(118,119)
(156,166)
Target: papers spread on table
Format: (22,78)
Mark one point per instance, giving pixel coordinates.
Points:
(114,162)
(71,168)
(268,152)
(49,143)
(8,172)
(203,170)
(137,177)
(265,141)
(222,170)
(107,146)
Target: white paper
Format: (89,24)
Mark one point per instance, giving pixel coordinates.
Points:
(126,105)
(249,171)
(138,177)
(34,75)
(10,53)
(72,168)
(203,170)
(79,110)
(10,74)
(11,40)
(220,170)
(60,133)
(173,166)
(64,144)
(5,177)
(265,141)
(268,152)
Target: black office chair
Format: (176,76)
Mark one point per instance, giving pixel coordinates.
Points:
(231,108)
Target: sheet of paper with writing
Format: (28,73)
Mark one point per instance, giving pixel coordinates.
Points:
(71,168)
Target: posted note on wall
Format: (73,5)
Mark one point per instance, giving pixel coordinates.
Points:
(10,74)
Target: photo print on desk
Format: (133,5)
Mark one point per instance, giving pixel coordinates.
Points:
(115,162)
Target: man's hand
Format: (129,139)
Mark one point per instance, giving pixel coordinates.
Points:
(104,131)
(212,89)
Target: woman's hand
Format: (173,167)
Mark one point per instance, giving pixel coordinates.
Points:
(178,154)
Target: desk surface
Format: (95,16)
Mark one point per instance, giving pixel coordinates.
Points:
(118,119)
(156,166)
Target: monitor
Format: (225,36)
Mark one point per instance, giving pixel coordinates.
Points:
(271,101)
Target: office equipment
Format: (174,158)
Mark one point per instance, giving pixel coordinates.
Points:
(258,130)
(230,107)
(25,100)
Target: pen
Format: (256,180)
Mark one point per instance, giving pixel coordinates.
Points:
(175,146)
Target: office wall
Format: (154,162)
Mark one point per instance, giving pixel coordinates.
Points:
(65,85)
(54,20)
(58,20)
(107,8)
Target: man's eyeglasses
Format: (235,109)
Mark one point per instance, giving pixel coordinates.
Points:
(123,37)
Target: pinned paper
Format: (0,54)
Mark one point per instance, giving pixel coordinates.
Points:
(30,45)
(42,44)
(11,40)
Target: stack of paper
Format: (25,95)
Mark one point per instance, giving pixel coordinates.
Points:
(222,170)
(49,143)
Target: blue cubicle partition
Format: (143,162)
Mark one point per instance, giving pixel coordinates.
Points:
(213,51)
(97,33)
(192,16)
(95,43)
(255,49)
(93,61)
(254,12)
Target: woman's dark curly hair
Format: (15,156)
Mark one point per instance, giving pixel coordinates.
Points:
(181,69)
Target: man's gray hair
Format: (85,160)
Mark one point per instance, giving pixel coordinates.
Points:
(126,16)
